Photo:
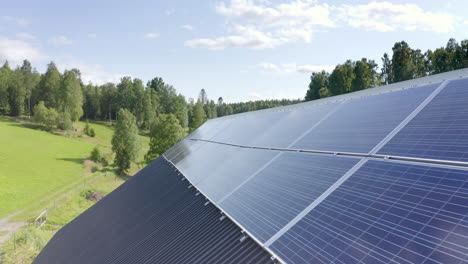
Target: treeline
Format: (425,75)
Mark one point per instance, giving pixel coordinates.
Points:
(404,64)
(66,99)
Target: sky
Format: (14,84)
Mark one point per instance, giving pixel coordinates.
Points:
(238,49)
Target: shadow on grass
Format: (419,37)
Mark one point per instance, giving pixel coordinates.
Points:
(77,161)
(31,126)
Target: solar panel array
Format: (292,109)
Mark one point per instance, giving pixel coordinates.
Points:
(376,176)
(329,183)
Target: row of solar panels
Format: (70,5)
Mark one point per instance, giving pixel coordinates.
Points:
(153,218)
(313,208)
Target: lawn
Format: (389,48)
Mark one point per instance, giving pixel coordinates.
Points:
(35,163)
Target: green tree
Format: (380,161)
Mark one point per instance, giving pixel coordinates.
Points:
(44,115)
(30,82)
(125,141)
(403,67)
(5,83)
(386,72)
(340,80)
(70,99)
(365,75)
(48,90)
(17,93)
(96,155)
(165,132)
(199,115)
(318,80)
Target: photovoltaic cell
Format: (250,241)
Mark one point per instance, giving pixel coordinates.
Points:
(360,124)
(273,129)
(440,130)
(282,190)
(386,213)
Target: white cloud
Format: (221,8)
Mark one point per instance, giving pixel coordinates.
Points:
(15,51)
(60,40)
(246,37)
(187,27)
(16,20)
(92,35)
(385,16)
(25,36)
(293,68)
(267,26)
(465,22)
(298,20)
(151,35)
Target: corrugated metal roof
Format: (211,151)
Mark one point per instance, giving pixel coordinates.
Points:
(153,218)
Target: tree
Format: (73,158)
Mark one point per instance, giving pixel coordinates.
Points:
(199,115)
(96,155)
(108,100)
(126,97)
(165,132)
(220,107)
(203,97)
(70,99)
(30,82)
(318,80)
(365,75)
(387,74)
(402,62)
(340,80)
(149,107)
(49,86)
(17,93)
(5,83)
(125,141)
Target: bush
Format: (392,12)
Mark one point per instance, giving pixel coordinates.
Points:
(92,133)
(45,116)
(86,193)
(96,155)
(64,121)
(88,130)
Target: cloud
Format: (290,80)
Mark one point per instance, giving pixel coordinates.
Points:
(92,35)
(297,21)
(151,35)
(60,41)
(465,22)
(246,37)
(25,36)
(385,16)
(293,68)
(15,51)
(187,27)
(16,20)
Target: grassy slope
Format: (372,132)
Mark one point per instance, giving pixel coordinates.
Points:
(35,163)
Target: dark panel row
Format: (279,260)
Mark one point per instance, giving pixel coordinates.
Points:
(152,218)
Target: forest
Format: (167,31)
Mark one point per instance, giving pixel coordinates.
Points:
(404,64)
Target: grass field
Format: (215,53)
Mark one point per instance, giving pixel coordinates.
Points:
(36,163)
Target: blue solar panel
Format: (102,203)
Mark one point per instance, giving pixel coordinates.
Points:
(440,130)
(360,124)
(273,129)
(217,169)
(386,212)
(282,190)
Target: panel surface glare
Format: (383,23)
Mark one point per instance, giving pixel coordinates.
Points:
(218,169)
(360,124)
(440,130)
(386,213)
(283,189)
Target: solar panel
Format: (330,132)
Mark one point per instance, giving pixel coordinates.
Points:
(360,124)
(152,218)
(440,130)
(386,213)
(282,190)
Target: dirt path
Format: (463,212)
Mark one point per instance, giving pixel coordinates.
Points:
(7,229)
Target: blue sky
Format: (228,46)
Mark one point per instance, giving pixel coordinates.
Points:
(238,49)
